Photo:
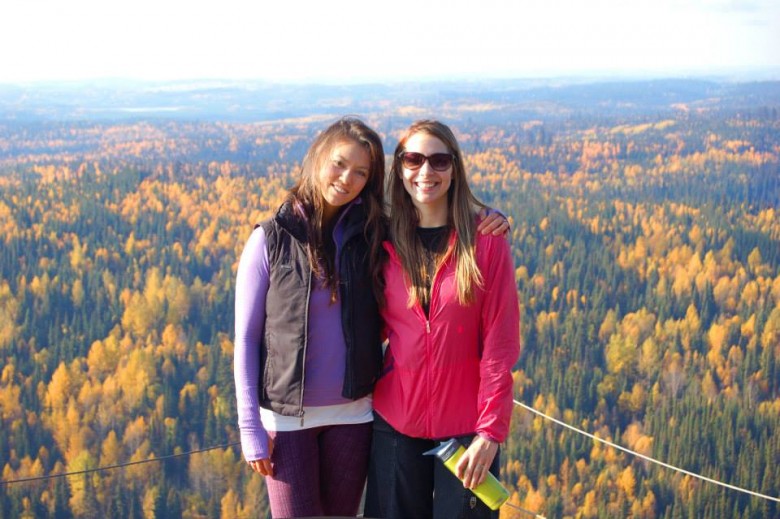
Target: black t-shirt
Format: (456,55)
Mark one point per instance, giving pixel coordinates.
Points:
(434,241)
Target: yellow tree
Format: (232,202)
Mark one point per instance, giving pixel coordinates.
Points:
(716,337)
(77,254)
(230,506)
(137,376)
(82,495)
(110,450)
(149,504)
(770,337)
(103,357)
(621,354)
(9,310)
(10,408)
(77,293)
(756,262)
(627,482)
(608,326)
(177,297)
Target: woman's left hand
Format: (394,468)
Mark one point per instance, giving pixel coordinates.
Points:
(492,222)
(473,466)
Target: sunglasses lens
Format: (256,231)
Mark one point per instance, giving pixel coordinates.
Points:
(412,160)
(440,161)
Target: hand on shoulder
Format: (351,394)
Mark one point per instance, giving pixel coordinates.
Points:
(492,222)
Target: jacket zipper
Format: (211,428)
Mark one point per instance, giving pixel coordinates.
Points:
(427,318)
(344,290)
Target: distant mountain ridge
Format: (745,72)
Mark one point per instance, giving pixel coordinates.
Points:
(246,101)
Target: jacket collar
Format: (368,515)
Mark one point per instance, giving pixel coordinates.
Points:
(352,220)
(291,218)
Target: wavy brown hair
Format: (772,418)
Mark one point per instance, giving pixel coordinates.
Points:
(307,193)
(461,214)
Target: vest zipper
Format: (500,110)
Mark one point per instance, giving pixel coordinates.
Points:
(349,374)
(305,347)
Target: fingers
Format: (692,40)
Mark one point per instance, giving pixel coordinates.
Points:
(474,465)
(493,223)
(472,468)
(480,475)
(255,465)
(266,469)
(262,467)
(502,225)
(501,228)
(475,474)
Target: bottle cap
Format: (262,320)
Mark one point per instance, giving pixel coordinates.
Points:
(445,449)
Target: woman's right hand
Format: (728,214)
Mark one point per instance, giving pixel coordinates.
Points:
(474,465)
(263,466)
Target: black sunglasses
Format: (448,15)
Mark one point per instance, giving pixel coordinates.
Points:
(437,161)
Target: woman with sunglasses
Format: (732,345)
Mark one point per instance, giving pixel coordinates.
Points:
(452,323)
(308,344)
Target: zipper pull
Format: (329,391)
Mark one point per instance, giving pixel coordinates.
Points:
(427,326)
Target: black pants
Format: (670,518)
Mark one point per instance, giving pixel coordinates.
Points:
(404,484)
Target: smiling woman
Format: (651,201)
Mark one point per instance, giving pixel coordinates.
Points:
(427,175)
(343,176)
(452,323)
(308,346)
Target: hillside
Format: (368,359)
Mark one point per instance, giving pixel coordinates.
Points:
(646,240)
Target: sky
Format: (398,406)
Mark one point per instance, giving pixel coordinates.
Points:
(349,41)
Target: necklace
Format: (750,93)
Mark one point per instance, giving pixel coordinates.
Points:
(434,241)
(431,258)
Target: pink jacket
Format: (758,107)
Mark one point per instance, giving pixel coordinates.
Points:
(450,375)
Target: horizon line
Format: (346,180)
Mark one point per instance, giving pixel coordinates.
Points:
(725,74)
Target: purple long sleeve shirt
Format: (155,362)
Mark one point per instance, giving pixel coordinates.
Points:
(325,353)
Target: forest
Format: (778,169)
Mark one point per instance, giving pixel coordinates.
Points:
(646,241)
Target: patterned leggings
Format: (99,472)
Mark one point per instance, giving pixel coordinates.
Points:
(319,471)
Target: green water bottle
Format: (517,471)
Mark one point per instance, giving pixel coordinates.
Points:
(490,491)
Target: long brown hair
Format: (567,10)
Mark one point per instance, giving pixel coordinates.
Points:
(307,193)
(461,215)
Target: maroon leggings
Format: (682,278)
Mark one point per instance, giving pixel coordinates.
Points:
(319,471)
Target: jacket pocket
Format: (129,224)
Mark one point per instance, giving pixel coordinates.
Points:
(268,370)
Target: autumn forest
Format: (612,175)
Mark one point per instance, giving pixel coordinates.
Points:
(646,239)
